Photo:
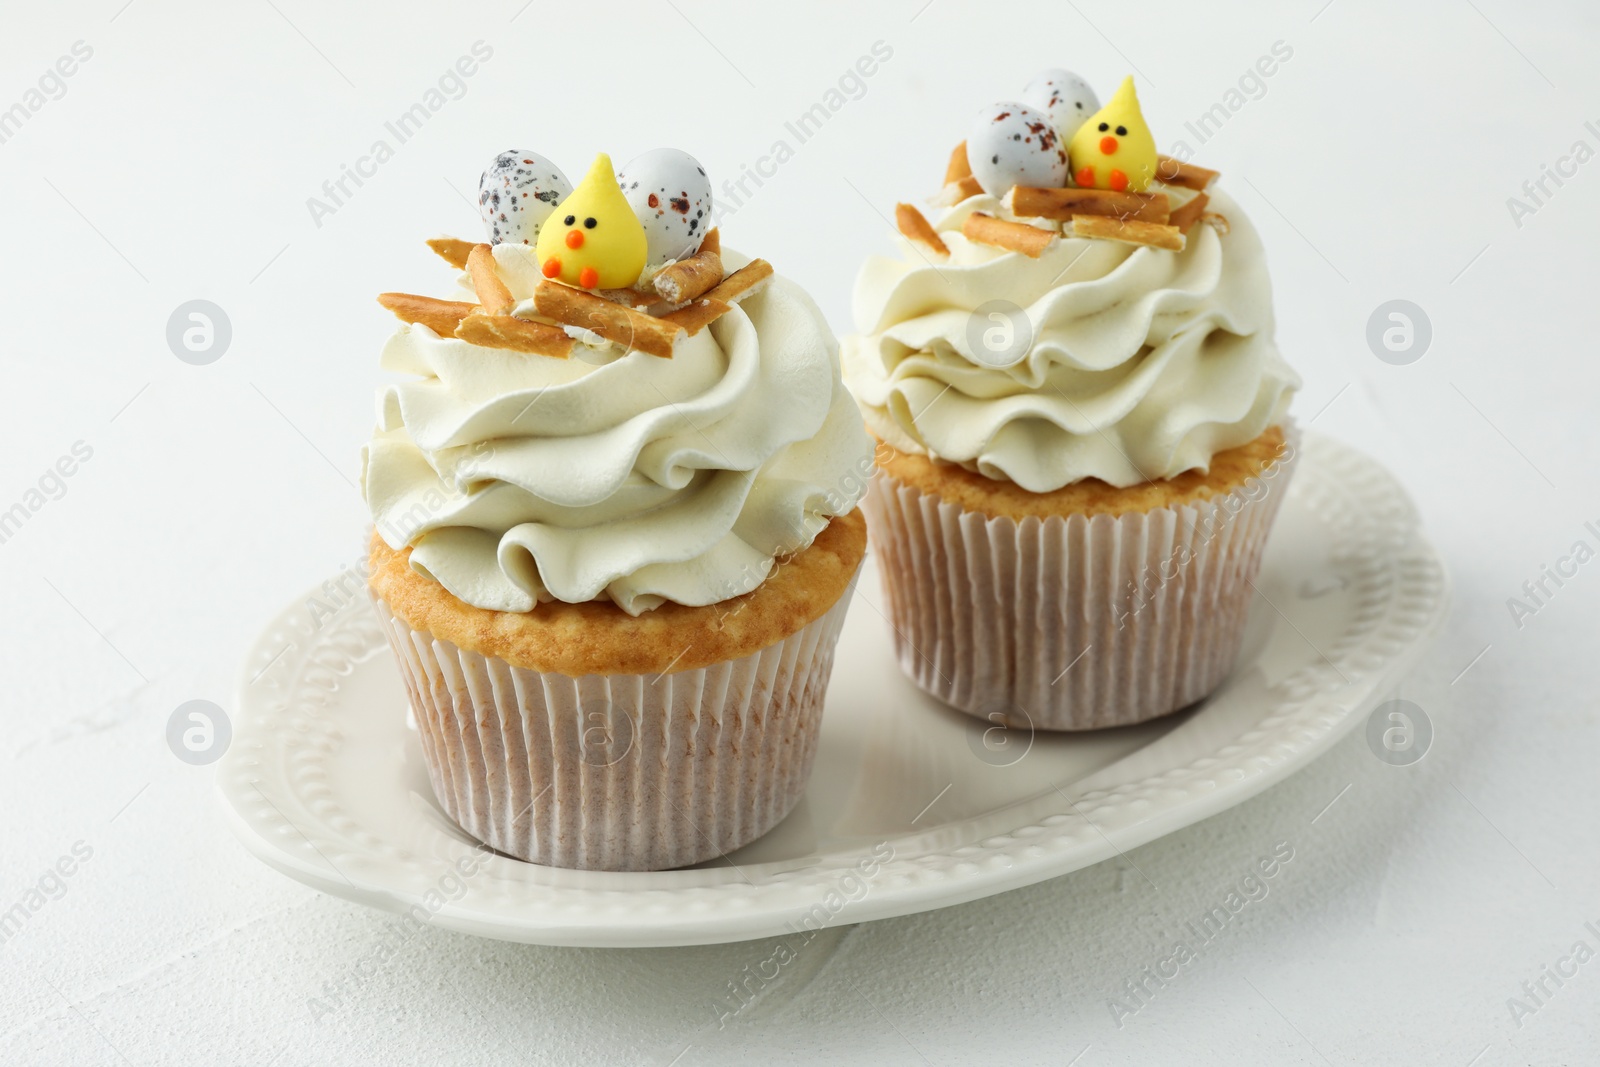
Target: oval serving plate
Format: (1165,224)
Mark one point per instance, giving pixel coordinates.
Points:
(911,806)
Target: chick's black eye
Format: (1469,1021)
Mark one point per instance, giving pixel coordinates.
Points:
(1122,131)
(1104,126)
(589,223)
(570,219)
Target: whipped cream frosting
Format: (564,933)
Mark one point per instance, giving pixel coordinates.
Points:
(1144,362)
(520,479)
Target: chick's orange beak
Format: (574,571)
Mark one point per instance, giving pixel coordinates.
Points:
(1108,145)
(574,238)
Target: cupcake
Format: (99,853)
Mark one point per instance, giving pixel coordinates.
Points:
(615,523)
(1081,416)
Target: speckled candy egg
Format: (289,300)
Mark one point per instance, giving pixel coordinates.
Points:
(671,195)
(517,193)
(1011,144)
(1063,96)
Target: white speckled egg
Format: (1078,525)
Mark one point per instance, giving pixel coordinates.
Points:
(671,195)
(1063,96)
(517,193)
(1011,144)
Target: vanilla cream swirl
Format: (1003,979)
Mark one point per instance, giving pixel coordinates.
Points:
(1144,363)
(520,479)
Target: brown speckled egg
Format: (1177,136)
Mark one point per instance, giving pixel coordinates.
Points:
(671,194)
(517,193)
(1063,96)
(1013,144)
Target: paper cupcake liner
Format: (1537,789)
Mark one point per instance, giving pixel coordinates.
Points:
(1071,623)
(618,772)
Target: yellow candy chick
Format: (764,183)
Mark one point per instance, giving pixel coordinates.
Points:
(1114,148)
(593,239)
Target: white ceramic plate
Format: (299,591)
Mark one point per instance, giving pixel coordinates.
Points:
(912,806)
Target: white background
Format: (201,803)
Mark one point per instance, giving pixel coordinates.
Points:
(1377,165)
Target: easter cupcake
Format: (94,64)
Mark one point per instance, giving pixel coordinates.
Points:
(615,524)
(1081,416)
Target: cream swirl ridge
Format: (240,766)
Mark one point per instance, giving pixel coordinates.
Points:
(520,479)
(1144,363)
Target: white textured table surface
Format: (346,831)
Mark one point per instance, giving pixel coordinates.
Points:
(175,163)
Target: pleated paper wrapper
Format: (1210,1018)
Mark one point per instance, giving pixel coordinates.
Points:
(619,772)
(1077,622)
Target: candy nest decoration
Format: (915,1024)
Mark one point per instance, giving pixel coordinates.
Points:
(617,262)
(1062,166)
